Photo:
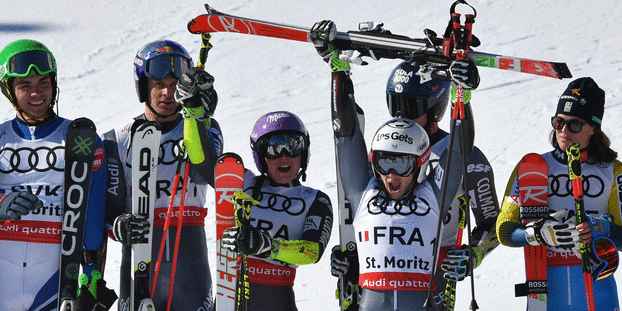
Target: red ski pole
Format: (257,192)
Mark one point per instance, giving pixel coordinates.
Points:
(167,224)
(180,223)
(574,156)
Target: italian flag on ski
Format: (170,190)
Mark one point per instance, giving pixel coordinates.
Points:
(79,155)
(228,179)
(145,148)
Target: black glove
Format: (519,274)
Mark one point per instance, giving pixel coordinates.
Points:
(322,35)
(247,240)
(339,262)
(94,295)
(464,73)
(196,88)
(17,204)
(130,229)
(456,264)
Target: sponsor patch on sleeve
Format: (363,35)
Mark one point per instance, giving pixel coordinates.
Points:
(312,223)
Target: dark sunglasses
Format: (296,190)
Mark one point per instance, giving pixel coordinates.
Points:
(161,66)
(573,125)
(401,164)
(277,145)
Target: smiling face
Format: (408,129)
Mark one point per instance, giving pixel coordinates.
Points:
(161,99)
(395,185)
(565,137)
(33,96)
(284,169)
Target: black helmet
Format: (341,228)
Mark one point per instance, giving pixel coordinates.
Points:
(412,92)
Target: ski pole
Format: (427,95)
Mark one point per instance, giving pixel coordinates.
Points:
(573,153)
(449,293)
(180,223)
(167,224)
(456,43)
(242,218)
(462,39)
(206,46)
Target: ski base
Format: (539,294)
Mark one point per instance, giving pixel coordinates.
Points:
(229,178)
(532,174)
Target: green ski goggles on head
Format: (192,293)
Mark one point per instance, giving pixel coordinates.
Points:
(25,64)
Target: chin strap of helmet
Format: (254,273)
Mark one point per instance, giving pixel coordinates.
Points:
(148,104)
(302,175)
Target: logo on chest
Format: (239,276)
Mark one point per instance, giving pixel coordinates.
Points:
(593,185)
(24,159)
(281,203)
(412,205)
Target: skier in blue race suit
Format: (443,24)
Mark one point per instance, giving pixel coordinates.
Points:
(32,151)
(181,100)
(577,120)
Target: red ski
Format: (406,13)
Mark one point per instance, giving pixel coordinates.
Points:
(373,44)
(229,178)
(532,174)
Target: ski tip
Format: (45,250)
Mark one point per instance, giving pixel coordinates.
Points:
(209,9)
(191,25)
(141,126)
(226,155)
(562,70)
(83,122)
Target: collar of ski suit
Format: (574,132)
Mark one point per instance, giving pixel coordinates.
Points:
(166,126)
(436,137)
(33,132)
(294,183)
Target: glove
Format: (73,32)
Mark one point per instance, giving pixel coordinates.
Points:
(456,265)
(322,35)
(17,204)
(130,229)
(339,263)
(196,89)
(464,73)
(557,230)
(247,240)
(93,295)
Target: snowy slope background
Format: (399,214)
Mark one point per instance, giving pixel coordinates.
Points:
(95,41)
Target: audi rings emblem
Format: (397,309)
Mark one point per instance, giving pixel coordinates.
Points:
(24,159)
(412,205)
(593,186)
(280,203)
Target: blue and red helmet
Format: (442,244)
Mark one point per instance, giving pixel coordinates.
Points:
(157,60)
(278,122)
(412,92)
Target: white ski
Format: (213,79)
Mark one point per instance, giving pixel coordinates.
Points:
(145,147)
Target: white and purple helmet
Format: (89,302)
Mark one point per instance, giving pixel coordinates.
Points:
(274,123)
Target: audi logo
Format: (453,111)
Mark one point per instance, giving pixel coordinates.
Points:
(379,204)
(281,203)
(593,186)
(24,159)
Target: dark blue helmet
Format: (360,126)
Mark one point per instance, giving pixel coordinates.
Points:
(156,60)
(412,92)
